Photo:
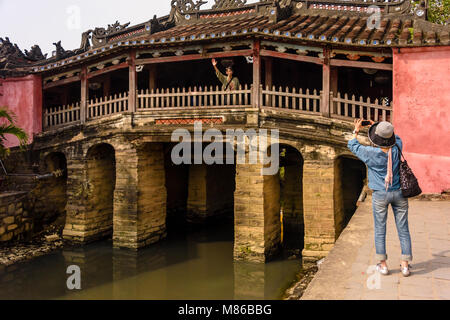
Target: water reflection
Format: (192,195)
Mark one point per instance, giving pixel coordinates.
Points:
(194,264)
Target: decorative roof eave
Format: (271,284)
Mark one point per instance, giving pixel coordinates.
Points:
(241,35)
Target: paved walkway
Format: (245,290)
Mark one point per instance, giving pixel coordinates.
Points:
(348,271)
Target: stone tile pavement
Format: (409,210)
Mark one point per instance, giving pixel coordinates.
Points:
(348,273)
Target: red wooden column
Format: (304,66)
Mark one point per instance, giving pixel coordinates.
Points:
(84,95)
(132,95)
(325,105)
(152,76)
(256,73)
(334,76)
(268,64)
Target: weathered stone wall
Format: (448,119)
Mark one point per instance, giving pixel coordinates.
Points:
(90,191)
(15,221)
(257,214)
(152,195)
(101,176)
(318,195)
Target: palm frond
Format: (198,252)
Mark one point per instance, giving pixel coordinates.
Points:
(10,116)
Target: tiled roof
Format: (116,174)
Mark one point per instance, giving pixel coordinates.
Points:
(345,29)
(334,22)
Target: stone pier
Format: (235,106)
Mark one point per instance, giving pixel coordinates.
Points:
(257,214)
(318,196)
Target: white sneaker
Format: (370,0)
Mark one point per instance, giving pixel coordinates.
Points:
(383,270)
(406,271)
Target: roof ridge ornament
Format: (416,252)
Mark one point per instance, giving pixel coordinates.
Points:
(184,6)
(229,4)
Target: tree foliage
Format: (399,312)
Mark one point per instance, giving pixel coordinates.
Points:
(438,10)
(8,127)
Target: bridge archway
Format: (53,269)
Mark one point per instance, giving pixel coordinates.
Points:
(291,198)
(350,178)
(101,178)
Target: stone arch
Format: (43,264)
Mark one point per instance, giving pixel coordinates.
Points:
(291,198)
(350,178)
(101,181)
(283,195)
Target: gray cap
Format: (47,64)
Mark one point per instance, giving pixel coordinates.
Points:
(385,130)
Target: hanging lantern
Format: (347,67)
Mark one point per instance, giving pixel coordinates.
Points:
(382,79)
(370,71)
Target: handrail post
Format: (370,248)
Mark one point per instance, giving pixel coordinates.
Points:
(256,74)
(332,105)
(84,95)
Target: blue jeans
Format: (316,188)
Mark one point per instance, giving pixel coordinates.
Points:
(380,202)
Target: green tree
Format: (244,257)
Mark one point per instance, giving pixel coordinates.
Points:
(8,126)
(438,10)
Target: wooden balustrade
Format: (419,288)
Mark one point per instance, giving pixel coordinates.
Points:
(196,97)
(105,106)
(62,116)
(350,108)
(291,99)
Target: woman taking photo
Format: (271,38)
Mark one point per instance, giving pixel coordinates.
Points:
(383,162)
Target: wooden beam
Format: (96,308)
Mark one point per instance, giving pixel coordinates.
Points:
(361,64)
(189,57)
(61,82)
(107,69)
(256,73)
(290,56)
(325,105)
(84,95)
(132,82)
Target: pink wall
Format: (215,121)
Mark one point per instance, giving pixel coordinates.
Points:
(422,113)
(23,96)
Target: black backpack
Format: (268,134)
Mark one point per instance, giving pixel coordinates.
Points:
(408,181)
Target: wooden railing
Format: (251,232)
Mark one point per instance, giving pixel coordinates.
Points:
(353,108)
(289,99)
(62,116)
(201,97)
(292,99)
(106,106)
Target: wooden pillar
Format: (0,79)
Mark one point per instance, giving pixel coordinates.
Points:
(333,87)
(132,95)
(256,73)
(107,85)
(152,77)
(84,95)
(325,106)
(334,80)
(268,64)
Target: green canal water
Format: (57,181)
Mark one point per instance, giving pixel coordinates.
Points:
(191,264)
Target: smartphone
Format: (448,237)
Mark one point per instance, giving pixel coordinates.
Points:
(366,123)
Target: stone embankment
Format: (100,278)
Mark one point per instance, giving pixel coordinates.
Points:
(15,220)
